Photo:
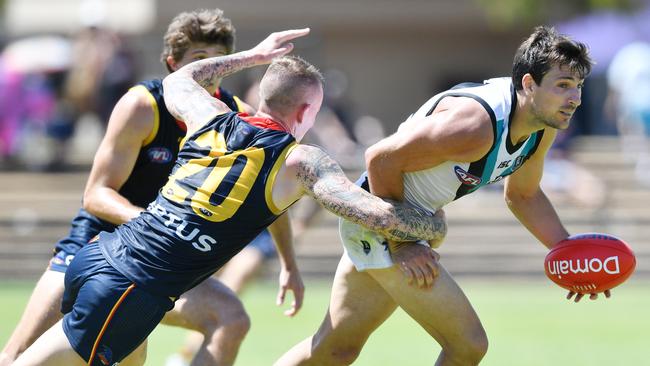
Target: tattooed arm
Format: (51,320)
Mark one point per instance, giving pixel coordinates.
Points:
(185,94)
(323,179)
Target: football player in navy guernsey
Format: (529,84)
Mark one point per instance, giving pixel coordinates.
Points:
(458,141)
(133,161)
(234,175)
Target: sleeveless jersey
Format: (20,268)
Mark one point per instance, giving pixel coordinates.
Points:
(216,201)
(158,154)
(433,188)
(152,167)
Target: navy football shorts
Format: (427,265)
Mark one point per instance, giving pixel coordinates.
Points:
(83,228)
(67,248)
(61,261)
(106,315)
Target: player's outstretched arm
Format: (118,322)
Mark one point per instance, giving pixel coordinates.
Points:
(290,279)
(185,94)
(533,209)
(324,180)
(528,202)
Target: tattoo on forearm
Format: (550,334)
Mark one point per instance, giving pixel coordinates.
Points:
(185,91)
(326,182)
(418,224)
(186,100)
(207,72)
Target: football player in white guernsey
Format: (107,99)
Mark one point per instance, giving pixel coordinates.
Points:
(457,142)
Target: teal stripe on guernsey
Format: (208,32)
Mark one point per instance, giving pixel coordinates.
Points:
(488,168)
(530,144)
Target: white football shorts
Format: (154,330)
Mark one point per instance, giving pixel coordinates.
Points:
(365,248)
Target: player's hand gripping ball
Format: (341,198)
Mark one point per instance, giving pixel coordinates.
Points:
(590,263)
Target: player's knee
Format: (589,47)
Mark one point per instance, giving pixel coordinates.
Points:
(337,353)
(229,315)
(238,325)
(478,347)
(345,354)
(234,321)
(471,350)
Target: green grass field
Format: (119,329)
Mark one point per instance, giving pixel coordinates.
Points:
(528,323)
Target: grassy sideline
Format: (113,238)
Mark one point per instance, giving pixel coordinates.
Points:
(528,323)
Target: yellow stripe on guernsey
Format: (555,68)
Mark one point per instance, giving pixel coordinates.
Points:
(240,104)
(156,115)
(182,142)
(268,190)
(200,199)
(108,320)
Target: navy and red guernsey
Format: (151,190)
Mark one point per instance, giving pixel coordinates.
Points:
(158,153)
(153,165)
(217,199)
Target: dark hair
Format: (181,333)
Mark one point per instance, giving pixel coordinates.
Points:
(203,25)
(546,48)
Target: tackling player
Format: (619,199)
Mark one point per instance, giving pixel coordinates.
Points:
(234,176)
(132,162)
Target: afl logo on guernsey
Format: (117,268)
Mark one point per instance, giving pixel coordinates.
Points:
(466,178)
(159,155)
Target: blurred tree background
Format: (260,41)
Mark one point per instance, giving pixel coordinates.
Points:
(508,13)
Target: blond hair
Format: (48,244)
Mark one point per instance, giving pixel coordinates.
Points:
(286,83)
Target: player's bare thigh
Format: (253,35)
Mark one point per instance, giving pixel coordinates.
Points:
(44,304)
(205,305)
(53,348)
(443,311)
(358,305)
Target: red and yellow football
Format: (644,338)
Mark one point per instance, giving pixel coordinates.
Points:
(590,263)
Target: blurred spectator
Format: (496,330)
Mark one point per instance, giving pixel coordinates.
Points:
(27,95)
(101,71)
(568,180)
(335,128)
(10,111)
(628,77)
(43,97)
